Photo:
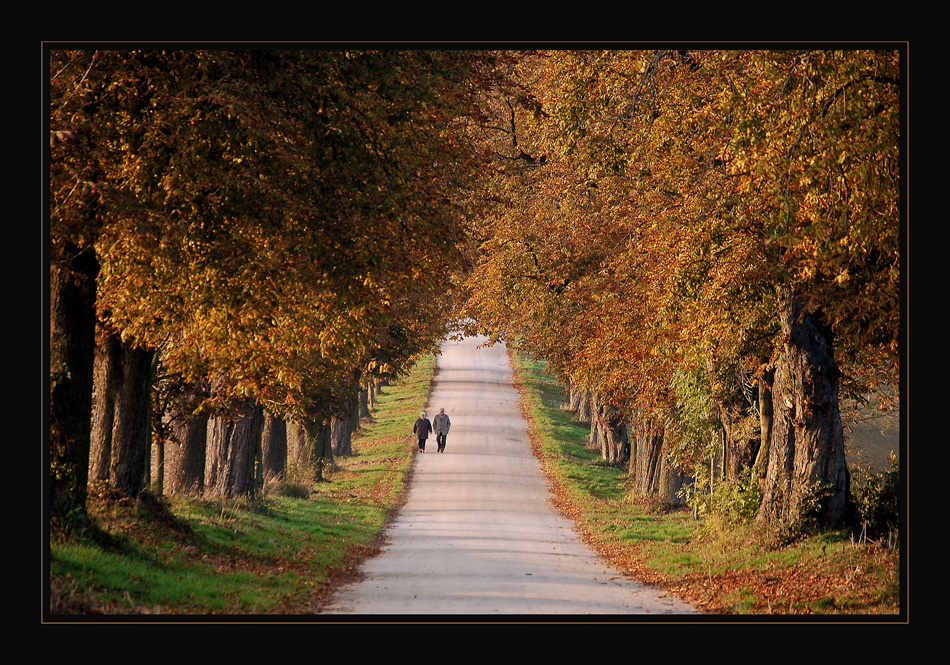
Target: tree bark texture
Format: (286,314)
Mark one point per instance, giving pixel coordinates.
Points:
(364,403)
(579,405)
(319,447)
(273,447)
(219,435)
(233,450)
(346,423)
(185,456)
(341,436)
(372,388)
(807,481)
(740,447)
(130,374)
(103,405)
(123,415)
(594,440)
(765,427)
(611,433)
(297,451)
(734,409)
(646,456)
(157,482)
(71,356)
(649,468)
(573,399)
(186,448)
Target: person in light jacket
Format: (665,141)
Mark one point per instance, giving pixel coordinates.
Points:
(421,429)
(441,425)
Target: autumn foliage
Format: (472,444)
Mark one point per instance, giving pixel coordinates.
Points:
(663,227)
(275,225)
(660,213)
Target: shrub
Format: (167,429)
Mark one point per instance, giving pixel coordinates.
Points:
(731,504)
(876,499)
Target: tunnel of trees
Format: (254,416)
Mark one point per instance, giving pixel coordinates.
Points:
(705,247)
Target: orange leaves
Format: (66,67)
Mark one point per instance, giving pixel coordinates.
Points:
(276,217)
(679,188)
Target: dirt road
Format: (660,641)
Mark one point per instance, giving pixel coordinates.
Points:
(479,534)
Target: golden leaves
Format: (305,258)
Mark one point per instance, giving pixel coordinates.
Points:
(708,178)
(283,220)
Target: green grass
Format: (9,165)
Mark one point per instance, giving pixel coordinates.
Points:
(721,569)
(273,554)
(278,554)
(598,490)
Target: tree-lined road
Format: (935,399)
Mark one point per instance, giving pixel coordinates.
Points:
(479,534)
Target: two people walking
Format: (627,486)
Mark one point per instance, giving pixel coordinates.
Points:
(439,426)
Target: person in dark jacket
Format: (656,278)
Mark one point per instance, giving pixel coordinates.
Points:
(422,429)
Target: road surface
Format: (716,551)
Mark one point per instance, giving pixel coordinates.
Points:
(479,534)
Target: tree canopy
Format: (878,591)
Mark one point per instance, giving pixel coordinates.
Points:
(676,191)
(261,215)
(655,209)
(273,222)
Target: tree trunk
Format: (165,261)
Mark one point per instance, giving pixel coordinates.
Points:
(373,391)
(574,400)
(233,450)
(650,470)
(741,442)
(611,433)
(273,447)
(187,438)
(185,456)
(219,436)
(579,405)
(297,445)
(584,411)
(594,440)
(186,451)
(807,481)
(103,404)
(765,427)
(740,448)
(122,419)
(71,356)
(646,456)
(344,425)
(364,404)
(319,448)
(132,422)
(244,450)
(158,482)
(341,436)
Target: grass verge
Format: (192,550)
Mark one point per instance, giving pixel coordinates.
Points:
(277,554)
(719,569)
